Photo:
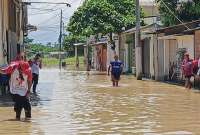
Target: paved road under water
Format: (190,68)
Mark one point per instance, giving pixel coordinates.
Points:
(71,103)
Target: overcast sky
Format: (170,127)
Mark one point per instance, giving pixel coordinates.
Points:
(47,19)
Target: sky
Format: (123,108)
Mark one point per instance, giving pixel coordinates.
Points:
(46,18)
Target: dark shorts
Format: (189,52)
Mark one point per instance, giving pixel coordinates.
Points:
(35,78)
(116,76)
(188,76)
(21,102)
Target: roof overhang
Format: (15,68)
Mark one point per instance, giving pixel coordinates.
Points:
(144,29)
(79,44)
(99,43)
(185,28)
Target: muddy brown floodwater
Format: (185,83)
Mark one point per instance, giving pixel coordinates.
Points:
(72,103)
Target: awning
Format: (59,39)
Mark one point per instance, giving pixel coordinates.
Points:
(79,44)
(170,36)
(99,43)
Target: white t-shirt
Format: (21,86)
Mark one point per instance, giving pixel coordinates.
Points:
(199,63)
(18,86)
(35,68)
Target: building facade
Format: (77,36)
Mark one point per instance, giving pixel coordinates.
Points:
(13,16)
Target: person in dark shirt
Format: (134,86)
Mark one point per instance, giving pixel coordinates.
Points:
(116,68)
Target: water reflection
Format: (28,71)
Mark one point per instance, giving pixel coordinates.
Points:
(73,103)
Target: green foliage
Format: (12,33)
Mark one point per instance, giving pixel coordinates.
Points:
(186,11)
(34,48)
(102,16)
(39,48)
(69,42)
(71,62)
(28,40)
(129,39)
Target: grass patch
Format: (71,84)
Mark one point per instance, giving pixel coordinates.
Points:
(71,63)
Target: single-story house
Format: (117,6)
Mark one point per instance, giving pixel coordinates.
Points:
(103,52)
(173,42)
(148,41)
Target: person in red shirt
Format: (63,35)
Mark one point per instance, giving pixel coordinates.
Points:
(187,70)
(20,85)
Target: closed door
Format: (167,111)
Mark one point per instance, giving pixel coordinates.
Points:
(146,57)
(104,59)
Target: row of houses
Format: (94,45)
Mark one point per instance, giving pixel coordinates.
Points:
(13,28)
(162,48)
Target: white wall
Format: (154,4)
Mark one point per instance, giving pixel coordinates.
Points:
(152,43)
(187,42)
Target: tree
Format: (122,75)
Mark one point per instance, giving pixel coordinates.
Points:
(33,48)
(69,42)
(185,10)
(102,16)
(28,40)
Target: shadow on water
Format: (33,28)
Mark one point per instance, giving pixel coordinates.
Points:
(15,120)
(7,101)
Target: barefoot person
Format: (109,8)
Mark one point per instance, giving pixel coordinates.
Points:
(116,67)
(20,84)
(35,67)
(187,70)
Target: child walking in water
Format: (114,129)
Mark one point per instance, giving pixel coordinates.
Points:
(35,67)
(187,70)
(116,68)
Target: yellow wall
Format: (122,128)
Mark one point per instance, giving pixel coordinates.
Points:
(3,28)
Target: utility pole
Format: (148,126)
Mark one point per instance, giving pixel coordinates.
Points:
(138,47)
(61,23)
(60,40)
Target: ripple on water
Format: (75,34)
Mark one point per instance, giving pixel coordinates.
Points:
(72,103)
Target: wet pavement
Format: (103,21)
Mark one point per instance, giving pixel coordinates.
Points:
(72,103)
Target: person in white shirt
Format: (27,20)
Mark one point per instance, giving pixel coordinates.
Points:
(35,67)
(198,73)
(20,85)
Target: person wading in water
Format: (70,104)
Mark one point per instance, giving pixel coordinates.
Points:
(36,65)
(187,70)
(116,68)
(20,85)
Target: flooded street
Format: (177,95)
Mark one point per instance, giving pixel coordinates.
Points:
(72,103)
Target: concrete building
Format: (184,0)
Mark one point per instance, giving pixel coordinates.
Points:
(103,51)
(173,42)
(127,43)
(13,16)
(148,41)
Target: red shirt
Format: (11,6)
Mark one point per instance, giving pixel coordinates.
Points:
(187,68)
(16,64)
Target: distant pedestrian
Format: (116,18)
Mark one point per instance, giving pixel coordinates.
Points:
(20,85)
(116,68)
(89,66)
(36,65)
(187,70)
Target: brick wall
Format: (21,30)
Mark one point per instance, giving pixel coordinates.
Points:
(197,43)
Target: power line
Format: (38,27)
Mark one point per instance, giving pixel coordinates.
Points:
(47,20)
(45,9)
(174,14)
(40,13)
(58,3)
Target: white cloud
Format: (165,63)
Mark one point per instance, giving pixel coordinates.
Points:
(48,21)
